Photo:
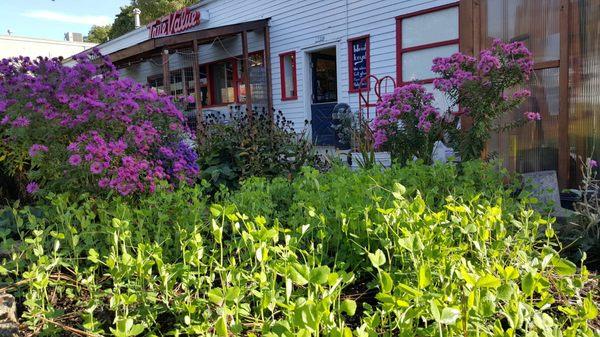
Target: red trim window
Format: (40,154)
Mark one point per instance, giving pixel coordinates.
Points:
(359,62)
(223,78)
(289,82)
(422,36)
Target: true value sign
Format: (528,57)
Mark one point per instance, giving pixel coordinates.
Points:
(174,23)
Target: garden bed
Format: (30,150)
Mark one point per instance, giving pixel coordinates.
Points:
(419,250)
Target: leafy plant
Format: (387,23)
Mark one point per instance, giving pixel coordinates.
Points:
(408,251)
(241,145)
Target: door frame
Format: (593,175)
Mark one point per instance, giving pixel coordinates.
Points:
(307,75)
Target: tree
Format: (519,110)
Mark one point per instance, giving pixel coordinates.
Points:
(99,34)
(123,22)
(153,9)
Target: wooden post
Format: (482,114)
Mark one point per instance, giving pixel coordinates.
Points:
(198,92)
(267,46)
(564,157)
(166,73)
(246,75)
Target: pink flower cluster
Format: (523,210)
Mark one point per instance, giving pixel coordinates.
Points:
(106,128)
(457,70)
(532,116)
(407,106)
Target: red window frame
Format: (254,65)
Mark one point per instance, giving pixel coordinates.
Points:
(400,51)
(367,37)
(294,76)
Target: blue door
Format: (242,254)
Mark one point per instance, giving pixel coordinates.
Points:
(324,96)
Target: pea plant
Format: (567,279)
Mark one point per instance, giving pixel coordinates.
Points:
(408,251)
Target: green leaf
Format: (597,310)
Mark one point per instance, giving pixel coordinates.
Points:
(528,283)
(564,267)
(435,312)
(399,190)
(348,306)
(377,259)
(589,308)
(216,296)
(449,316)
(299,274)
(221,327)
(319,275)
(488,281)
(424,276)
(386,282)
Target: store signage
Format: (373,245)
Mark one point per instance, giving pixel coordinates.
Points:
(174,23)
(359,63)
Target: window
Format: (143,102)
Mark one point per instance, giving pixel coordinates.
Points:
(176,79)
(421,37)
(221,82)
(534,146)
(156,82)
(256,61)
(358,62)
(289,85)
(223,79)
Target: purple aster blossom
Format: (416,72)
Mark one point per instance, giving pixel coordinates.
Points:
(20,122)
(96,167)
(32,187)
(592,163)
(36,149)
(75,160)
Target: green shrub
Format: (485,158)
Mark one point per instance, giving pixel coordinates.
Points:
(236,147)
(414,251)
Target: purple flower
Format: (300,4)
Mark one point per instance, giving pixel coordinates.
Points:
(103,182)
(96,168)
(32,187)
(592,163)
(75,160)
(35,150)
(20,122)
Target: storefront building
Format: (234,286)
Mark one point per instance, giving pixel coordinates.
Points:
(305,56)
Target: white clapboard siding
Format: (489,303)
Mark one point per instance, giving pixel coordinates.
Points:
(300,26)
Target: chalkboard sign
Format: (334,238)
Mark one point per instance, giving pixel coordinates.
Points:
(358,61)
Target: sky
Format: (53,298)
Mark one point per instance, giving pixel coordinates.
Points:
(52,19)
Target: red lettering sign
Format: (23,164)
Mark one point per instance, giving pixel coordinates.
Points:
(174,23)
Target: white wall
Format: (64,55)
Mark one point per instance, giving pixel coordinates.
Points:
(12,46)
(304,26)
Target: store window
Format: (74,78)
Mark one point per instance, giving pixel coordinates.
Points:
(423,36)
(204,86)
(289,85)
(223,79)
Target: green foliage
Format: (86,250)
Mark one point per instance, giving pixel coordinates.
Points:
(123,24)
(99,34)
(151,9)
(414,251)
(237,147)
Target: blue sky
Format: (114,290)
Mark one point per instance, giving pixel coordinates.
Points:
(51,19)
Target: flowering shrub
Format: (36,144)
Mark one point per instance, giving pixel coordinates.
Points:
(406,123)
(479,87)
(85,128)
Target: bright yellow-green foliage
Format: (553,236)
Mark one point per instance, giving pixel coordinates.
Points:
(414,251)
